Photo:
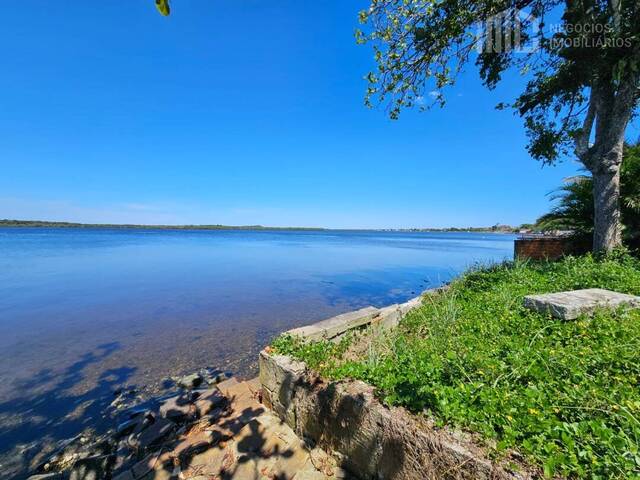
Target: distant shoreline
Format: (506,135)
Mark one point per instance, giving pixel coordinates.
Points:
(48,224)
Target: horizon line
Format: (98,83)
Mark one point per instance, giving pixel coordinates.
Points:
(66,224)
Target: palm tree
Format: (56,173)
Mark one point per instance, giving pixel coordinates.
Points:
(574,209)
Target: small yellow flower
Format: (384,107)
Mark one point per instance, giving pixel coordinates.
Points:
(509,417)
(557,410)
(533,411)
(616,407)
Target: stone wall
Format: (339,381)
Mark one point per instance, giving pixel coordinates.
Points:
(371,440)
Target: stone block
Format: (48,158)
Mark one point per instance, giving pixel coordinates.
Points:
(387,318)
(332,327)
(279,376)
(570,305)
(336,327)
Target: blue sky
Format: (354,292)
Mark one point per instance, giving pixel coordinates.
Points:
(240,113)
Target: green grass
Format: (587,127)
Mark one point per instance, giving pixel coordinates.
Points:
(566,394)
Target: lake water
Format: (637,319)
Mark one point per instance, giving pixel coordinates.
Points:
(84,311)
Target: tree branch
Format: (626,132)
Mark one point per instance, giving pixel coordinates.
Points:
(582,138)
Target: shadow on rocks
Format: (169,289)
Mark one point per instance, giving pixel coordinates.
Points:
(35,419)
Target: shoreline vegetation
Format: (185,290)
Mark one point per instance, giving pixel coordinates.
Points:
(50,224)
(561,393)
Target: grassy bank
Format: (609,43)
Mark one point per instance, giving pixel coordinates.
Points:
(564,394)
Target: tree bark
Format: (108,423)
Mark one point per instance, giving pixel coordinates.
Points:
(607,229)
(610,110)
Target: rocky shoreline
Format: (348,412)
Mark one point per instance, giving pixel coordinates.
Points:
(208,426)
(139,427)
(154,432)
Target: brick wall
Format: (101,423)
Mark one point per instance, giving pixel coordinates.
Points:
(541,248)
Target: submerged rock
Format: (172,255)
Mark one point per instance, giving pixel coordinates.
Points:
(191,381)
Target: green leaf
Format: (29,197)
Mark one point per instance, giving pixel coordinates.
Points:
(163,7)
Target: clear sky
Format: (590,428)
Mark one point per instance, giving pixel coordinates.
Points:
(240,112)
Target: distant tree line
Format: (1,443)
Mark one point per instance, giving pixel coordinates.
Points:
(47,224)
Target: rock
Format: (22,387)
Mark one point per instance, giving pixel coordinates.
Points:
(124,457)
(209,400)
(309,472)
(143,422)
(193,395)
(48,476)
(75,451)
(226,385)
(126,427)
(178,408)
(570,305)
(167,382)
(213,376)
(212,417)
(155,433)
(125,476)
(64,448)
(153,462)
(208,463)
(193,445)
(341,474)
(190,381)
(266,450)
(137,411)
(92,468)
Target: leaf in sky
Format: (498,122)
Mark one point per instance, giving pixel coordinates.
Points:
(163,7)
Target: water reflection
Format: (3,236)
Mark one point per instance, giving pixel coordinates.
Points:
(83,311)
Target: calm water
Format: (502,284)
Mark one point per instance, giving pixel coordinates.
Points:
(83,311)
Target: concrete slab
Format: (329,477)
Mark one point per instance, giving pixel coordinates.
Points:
(332,327)
(570,305)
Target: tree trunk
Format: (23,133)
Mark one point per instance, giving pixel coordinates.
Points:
(610,108)
(607,231)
